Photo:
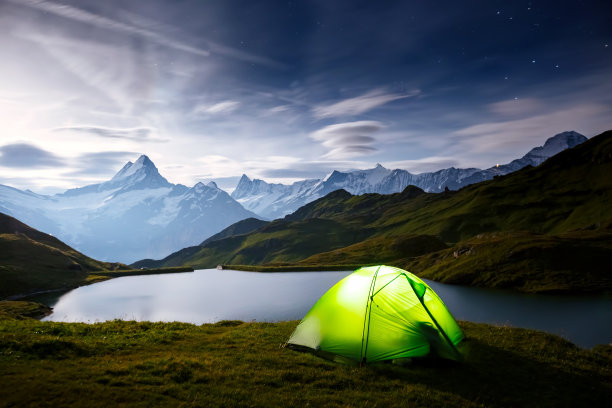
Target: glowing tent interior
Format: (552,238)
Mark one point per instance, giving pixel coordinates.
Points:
(378,313)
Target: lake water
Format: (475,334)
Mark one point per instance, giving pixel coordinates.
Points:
(210,295)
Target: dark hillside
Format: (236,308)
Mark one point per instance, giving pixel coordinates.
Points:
(32,261)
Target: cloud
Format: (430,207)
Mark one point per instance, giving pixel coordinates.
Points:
(27,156)
(138,133)
(104,164)
(80,15)
(348,139)
(244,56)
(495,137)
(149,30)
(359,104)
(220,107)
(514,107)
(277,109)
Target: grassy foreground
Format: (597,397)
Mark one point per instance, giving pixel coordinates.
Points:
(232,363)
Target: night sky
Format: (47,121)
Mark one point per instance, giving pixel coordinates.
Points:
(290,90)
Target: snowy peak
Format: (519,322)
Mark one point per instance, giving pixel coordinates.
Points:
(200,186)
(121,173)
(138,175)
(554,145)
(375,175)
(243,188)
(142,165)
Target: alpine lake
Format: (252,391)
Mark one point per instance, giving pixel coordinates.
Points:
(211,295)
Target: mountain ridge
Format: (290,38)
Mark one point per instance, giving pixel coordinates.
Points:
(277,200)
(134,215)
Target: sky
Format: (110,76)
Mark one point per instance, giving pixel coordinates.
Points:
(288,90)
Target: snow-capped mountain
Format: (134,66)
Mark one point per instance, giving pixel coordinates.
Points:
(137,214)
(277,200)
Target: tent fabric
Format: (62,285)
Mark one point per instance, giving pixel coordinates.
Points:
(379,313)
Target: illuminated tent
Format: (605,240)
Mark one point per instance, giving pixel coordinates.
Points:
(378,313)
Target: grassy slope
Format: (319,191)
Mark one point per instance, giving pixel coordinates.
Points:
(575,261)
(14,309)
(241,364)
(31,260)
(570,191)
(378,250)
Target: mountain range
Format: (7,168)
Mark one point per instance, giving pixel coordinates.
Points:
(136,214)
(544,228)
(273,201)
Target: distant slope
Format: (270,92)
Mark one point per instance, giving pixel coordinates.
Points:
(568,192)
(239,228)
(32,261)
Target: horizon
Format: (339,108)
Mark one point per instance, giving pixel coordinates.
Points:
(286,92)
(230,189)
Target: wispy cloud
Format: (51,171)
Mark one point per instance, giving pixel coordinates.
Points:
(513,107)
(138,133)
(148,29)
(101,164)
(237,54)
(588,119)
(80,15)
(359,104)
(27,156)
(220,107)
(348,139)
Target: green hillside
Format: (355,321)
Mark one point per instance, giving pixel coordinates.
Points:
(571,191)
(569,262)
(32,261)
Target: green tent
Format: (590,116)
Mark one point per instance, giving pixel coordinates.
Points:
(378,313)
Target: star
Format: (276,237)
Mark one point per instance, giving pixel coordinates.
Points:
(533,61)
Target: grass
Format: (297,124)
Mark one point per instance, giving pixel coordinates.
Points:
(536,263)
(232,363)
(19,309)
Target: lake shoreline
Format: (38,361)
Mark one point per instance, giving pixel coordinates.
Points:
(100,276)
(536,290)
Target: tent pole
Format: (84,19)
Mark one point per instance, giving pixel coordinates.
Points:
(367,316)
(433,319)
